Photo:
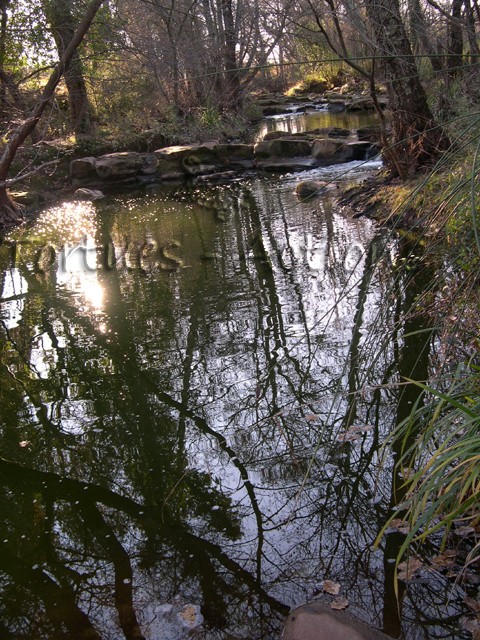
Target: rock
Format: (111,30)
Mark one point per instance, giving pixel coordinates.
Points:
(149,164)
(331,132)
(328,149)
(333,96)
(310,188)
(359,150)
(282,148)
(235,154)
(83,168)
(336,107)
(275,135)
(191,159)
(274,110)
(115,166)
(333,151)
(88,194)
(359,103)
(217,177)
(370,134)
(286,164)
(173,175)
(317,621)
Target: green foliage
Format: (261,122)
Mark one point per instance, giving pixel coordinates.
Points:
(209,116)
(439,443)
(28,43)
(440,459)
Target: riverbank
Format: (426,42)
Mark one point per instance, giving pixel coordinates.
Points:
(49,162)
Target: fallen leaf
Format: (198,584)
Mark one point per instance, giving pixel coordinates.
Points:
(445,559)
(311,417)
(339,604)
(189,613)
(397,524)
(354,432)
(347,437)
(464,531)
(361,428)
(333,588)
(408,568)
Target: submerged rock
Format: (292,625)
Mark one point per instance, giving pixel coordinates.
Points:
(310,188)
(88,194)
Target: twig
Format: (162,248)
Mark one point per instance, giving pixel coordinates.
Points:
(12,181)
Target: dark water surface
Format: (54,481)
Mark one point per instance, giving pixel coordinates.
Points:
(187,418)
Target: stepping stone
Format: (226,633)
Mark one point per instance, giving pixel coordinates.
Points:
(317,621)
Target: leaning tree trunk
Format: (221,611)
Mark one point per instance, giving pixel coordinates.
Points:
(417,140)
(62,24)
(10,212)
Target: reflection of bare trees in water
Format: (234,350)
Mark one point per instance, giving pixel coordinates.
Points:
(184,440)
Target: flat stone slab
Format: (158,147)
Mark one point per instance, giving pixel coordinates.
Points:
(317,621)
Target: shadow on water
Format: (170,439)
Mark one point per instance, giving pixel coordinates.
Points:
(195,386)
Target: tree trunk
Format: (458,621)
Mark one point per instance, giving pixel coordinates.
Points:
(62,24)
(232,81)
(417,140)
(3,47)
(9,211)
(420,40)
(455,39)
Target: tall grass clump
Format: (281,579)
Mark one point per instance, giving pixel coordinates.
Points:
(439,460)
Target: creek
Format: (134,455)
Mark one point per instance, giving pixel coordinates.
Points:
(195,386)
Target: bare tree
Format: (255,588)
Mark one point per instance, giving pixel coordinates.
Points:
(204,53)
(417,140)
(376,30)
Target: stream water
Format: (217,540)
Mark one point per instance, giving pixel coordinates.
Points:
(195,383)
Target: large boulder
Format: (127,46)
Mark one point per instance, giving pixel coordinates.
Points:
(329,151)
(190,159)
(232,155)
(149,164)
(359,150)
(83,169)
(282,148)
(117,166)
(370,133)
